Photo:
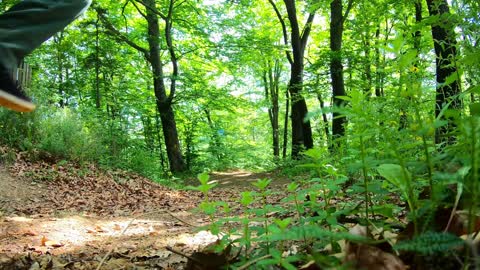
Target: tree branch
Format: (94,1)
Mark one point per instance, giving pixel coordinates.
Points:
(138,9)
(119,35)
(347,11)
(154,10)
(307,29)
(171,50)
(284,29)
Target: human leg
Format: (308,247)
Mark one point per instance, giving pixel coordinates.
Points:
(28,24)
(23,28)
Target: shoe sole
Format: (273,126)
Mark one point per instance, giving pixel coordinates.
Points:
(14,103)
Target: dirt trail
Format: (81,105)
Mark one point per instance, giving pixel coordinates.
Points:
(38,230)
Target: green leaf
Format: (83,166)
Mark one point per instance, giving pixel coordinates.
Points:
(332,220)
(431,243)
(314,153)
(394,174)
(385,210)
(475,109)
(246,198)
(292,187)
(407,59)
(262,184)
(451,78)
(283,223)
(203,178)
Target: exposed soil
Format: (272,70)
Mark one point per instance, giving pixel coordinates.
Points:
(66,217)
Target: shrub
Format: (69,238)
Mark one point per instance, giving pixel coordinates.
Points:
(63,136)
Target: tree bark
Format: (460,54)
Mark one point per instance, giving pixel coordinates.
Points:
(301,129)
(164,102)
(446,51)
(97,64)
(285,125)
(216,143)
(271,76)
(339,121)
(378,73)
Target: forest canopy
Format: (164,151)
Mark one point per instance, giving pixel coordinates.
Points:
(171,86)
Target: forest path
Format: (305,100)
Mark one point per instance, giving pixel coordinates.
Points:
(75,221)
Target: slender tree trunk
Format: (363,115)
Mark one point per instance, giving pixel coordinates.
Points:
(301,129)
(325,120)
(271,76)
(152,54)
(216,144)
(58,39)
(97,64)
(446,51)
(164,103)
(339,121)
(412,77)
(285,125)
(275,79)
(189,145)
(368,63)
(159,141)
(378,73)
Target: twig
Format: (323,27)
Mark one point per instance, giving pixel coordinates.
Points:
(179,219)
(248,264)
(124,230)
(111,249)
(184,255)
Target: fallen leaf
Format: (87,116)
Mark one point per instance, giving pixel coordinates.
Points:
(99,229)
(52,243)
(30,233)
(43,241)
(363,256)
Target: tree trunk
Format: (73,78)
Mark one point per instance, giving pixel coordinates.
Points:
(378,73)
(164,103)
(368,63)
(301,129)
(412,75)
(271,76)
(216,143)
(336,69)
(326,124)
(285,125)
(159,140)
(445,49)
(97,64)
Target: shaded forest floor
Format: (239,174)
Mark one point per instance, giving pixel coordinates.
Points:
(68,217)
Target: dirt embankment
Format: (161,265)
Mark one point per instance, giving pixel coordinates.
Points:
(67,217)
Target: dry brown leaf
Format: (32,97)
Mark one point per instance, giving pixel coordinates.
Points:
(51,243)
(117,227)
(30,233)
(43,241)
(363,256)
(99,229)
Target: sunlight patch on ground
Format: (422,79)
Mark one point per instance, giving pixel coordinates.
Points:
(70,233)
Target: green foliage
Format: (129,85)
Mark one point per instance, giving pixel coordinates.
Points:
(223,116)
(64,136)
(18,130)
(431,243)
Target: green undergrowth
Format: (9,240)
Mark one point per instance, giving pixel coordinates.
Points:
(393,181)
